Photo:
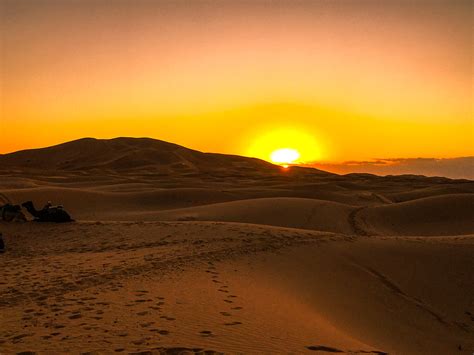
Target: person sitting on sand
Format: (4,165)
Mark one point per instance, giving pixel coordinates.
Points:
(2,244)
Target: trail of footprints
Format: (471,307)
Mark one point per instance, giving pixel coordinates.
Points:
(153,304)
(228,299)
(48,316)
(55,313)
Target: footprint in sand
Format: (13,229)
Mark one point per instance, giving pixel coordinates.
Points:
(103,303)
(206,333)
(324,348)
(227,314)
(233,323)
(160,331)
(146,325)
(18,338)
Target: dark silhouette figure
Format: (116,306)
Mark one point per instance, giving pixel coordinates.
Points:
(11,213)
(2,244)
(48,213)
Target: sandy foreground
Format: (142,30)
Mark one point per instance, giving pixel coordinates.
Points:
(230,287)
(177,251)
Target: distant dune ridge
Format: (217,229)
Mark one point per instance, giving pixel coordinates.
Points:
(454,168)
(178,251)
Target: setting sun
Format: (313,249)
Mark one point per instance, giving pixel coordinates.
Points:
(284,156)
(286,145)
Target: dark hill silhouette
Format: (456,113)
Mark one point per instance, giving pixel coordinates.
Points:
(125,154)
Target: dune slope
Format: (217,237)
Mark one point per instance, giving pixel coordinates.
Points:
(283,212)
(439,215)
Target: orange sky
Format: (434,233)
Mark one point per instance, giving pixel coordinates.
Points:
(336,80)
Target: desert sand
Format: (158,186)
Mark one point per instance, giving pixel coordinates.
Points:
(178,251)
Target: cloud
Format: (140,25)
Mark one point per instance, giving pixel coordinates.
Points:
(455,168)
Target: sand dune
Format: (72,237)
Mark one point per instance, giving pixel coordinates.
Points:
(413,194)
(177,251)
(439,215)
(401,300)
(283,212)
(87,203)
(123,154)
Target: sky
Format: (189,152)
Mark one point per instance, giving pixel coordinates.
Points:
(339,80)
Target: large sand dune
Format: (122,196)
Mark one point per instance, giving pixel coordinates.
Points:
(178,251)
(124,154)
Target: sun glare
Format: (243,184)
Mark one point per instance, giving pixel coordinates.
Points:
(285,146)
(284,156)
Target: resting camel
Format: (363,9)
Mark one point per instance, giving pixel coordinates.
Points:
(49,214)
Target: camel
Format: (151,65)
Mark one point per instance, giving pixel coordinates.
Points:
(11,213)
(48,214)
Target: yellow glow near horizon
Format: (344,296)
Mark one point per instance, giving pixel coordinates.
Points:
(285,156)
(270,146)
